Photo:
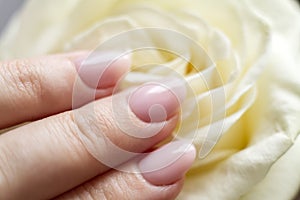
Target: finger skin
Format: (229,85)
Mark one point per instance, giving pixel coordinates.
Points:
(123,186)
(48,157)
(35,88)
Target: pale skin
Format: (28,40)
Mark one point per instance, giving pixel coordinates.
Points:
(46,159)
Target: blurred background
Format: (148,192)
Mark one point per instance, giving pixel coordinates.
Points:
(7,9)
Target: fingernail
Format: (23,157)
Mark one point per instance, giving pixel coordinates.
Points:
(157,102)
(168,164)
(102,70)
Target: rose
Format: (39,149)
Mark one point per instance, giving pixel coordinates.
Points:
(255,47)
(258,42)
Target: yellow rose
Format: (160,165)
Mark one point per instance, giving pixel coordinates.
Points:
(250,57)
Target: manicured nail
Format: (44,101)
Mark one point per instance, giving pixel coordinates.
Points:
(157,102)
(168,164)
(102,70)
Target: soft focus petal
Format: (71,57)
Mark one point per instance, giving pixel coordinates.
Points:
(234,176)
(283,179)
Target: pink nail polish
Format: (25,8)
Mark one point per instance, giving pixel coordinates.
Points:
(102,70)
(157,102)
(169,163)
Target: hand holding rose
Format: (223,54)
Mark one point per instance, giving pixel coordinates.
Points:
(244,78)
(59,156)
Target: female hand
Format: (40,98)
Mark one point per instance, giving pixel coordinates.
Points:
(67,153)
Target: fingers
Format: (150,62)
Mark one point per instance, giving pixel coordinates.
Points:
(35,88)
(78,145)
(166,168)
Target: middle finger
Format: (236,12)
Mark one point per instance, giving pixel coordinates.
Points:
(73,147)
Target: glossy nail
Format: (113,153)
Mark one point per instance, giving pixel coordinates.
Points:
(157,102)
(102,70)
(169,163)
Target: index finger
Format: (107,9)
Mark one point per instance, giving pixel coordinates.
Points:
(35,88)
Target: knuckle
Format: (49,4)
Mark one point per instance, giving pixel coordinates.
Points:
(130,185)
(95,134)
(93,123)
(24,78)
(92,192)
(86,191)
(118,186)
(65,123)
(108,190)
(82,132)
